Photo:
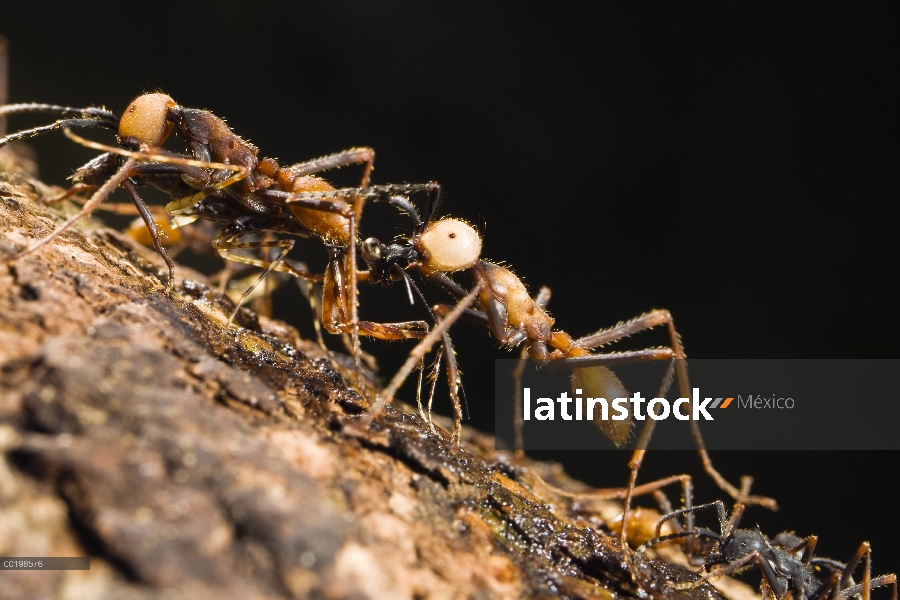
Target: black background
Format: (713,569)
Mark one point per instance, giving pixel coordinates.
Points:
(734,164)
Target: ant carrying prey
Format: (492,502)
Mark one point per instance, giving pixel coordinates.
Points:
(786,561)
(221,179)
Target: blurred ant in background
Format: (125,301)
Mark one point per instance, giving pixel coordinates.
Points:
(787,562)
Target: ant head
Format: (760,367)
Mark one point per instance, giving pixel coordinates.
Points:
(147,119)
(738,545)
(448,245)
(386,262)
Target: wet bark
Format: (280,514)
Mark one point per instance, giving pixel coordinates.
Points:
(194,462)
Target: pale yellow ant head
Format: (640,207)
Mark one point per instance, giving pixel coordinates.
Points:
(449,245)
(146,120)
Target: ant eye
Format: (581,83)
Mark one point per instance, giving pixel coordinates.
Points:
(451,245)
(146,120)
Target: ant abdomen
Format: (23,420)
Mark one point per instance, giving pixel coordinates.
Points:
(332,228)
(601,382)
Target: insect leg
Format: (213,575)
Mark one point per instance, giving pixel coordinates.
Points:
(417,354)
(648,321)
(89,206)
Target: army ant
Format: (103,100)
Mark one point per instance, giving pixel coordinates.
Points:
(787,562)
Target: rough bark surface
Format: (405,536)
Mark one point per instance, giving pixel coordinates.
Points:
(191,462)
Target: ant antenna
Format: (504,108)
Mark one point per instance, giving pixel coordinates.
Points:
(434,199)
(406,206)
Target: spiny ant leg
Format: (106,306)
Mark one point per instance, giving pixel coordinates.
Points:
(435,373)
(89,206)
(153,228)
(648,321)
(108,118)
(324,200)
(417,354)
(354,304)
(453,382)
(333,161)
(883,580)
(541,299)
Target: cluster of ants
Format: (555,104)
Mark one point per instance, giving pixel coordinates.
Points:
(220,178)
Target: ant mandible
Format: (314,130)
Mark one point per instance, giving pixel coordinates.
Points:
(786,561)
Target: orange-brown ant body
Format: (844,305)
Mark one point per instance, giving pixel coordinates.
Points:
(504,305)
(223,180)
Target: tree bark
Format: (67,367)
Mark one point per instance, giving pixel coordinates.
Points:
(188,461)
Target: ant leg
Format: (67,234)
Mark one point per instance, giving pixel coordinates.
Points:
(417,354)
(453,382)
(421,368)
(768,572)
(153,228)
(353,300)
(435,373)
(334,301)
(889,579)
(325,200)
(224,246)
(89,206)
(542,299)
(187,166)
(648,321)
(446,349)
(864,587)
(314,307)
(72,191)
(690,510)
(333,161)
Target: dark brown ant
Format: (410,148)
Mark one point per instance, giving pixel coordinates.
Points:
(786,561)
